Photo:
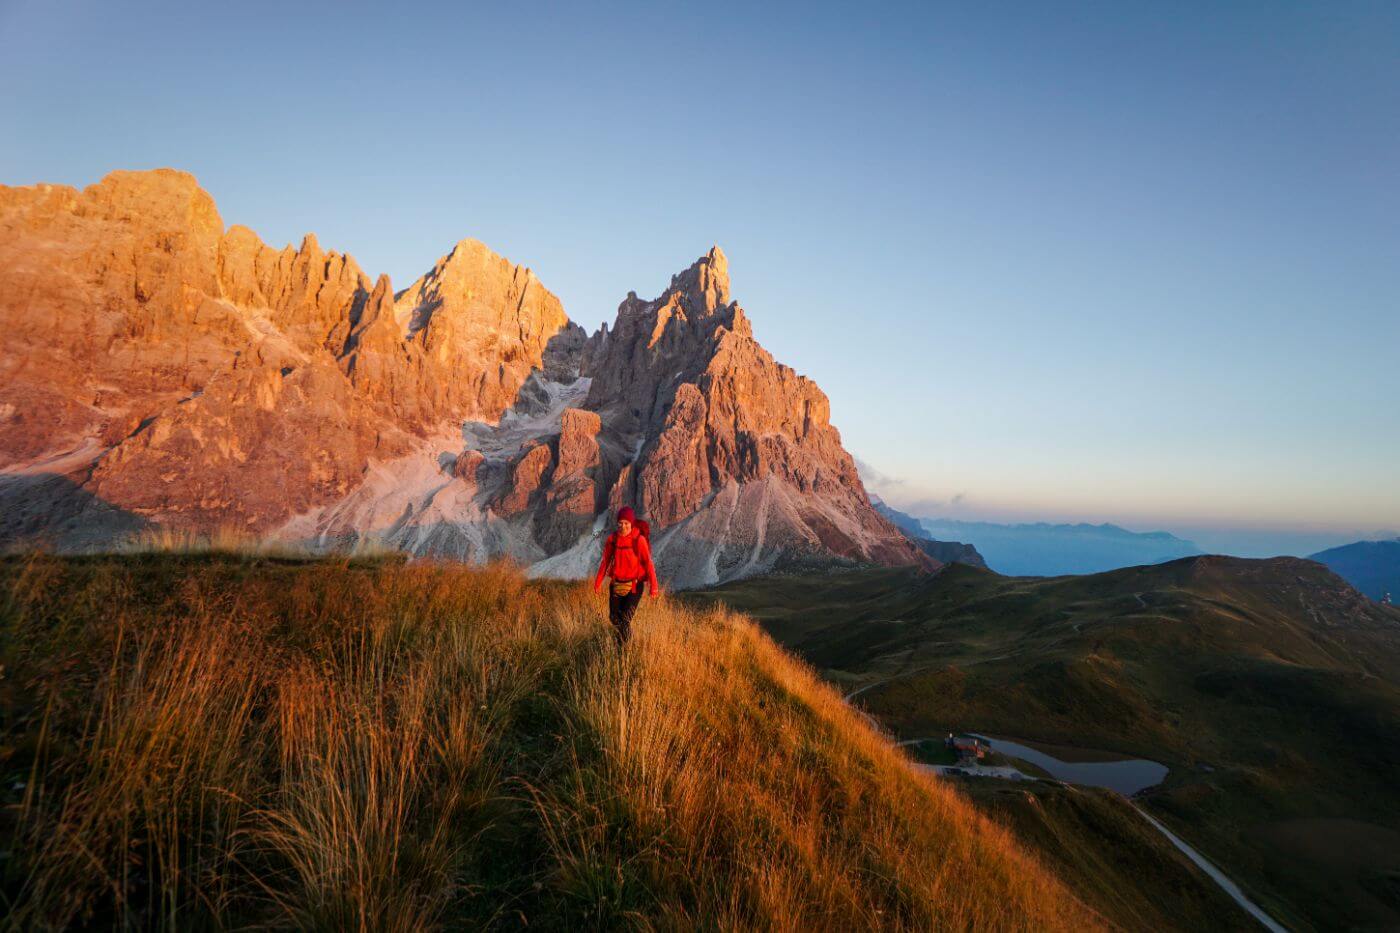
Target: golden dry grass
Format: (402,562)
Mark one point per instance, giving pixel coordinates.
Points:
(229,540)
(199,740)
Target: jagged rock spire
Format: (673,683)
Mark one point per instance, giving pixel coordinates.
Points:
(196,377)
(721,427)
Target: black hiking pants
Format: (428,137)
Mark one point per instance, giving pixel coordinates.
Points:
(621,609)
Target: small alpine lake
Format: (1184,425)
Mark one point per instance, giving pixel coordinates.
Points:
(1127,776)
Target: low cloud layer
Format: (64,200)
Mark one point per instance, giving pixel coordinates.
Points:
(905,496)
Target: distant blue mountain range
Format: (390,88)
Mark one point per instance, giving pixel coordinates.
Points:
(1373,567)
(945,552)
(1044,550)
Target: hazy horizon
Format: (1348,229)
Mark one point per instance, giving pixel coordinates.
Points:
(1096,263)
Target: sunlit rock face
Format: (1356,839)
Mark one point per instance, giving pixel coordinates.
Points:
(735,455)
(162,370)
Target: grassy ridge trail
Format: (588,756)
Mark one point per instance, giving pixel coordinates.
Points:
(226,740)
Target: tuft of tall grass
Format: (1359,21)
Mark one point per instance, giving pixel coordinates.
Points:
(207,738)
(166,539)
(228,539)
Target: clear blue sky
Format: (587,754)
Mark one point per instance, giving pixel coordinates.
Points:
(1109,261)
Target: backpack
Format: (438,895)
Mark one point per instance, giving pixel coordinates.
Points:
(627,565)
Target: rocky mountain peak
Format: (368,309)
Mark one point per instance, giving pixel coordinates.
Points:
(477,312)
(725,436)
(378,327)
(163,198)
(706,283)
(159,369)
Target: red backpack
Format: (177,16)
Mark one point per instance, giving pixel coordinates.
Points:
(627,565)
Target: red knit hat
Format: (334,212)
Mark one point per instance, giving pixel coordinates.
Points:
(625,514)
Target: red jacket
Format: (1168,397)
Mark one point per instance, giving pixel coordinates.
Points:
(627,558)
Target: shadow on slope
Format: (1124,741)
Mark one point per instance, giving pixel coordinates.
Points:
(50,510)
(1270,687)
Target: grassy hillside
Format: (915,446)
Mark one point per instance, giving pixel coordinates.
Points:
(1271,689)
(1110,855)
(224,741)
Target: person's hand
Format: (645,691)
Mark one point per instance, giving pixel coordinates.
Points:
(597,586)
(656,592)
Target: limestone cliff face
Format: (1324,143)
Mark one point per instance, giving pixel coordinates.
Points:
(482,324)
(713,413)
(110,305)
(143,338)
(160,369)
(311,296)
(252,449)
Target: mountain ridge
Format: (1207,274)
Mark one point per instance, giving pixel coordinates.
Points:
(195,377)
(946,552)
(1373,567)
(1053,549)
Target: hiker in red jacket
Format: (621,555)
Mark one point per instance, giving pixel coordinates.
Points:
(627,560)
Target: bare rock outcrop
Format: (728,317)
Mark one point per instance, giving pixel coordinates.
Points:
(161,370)
(675,475)
(578,441)
(527,475)
(225,458)
(142,337)
(467,465)
(110,304)
(482,325)
(312,296)
(572,500)
(710,411)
